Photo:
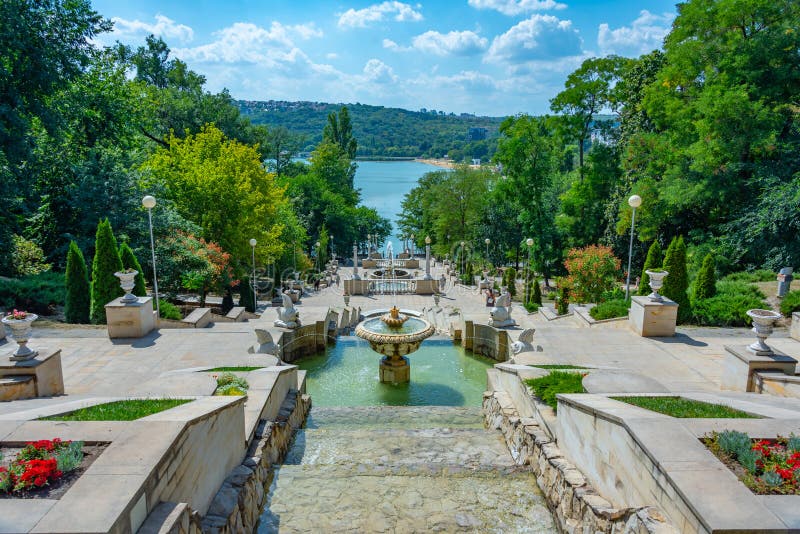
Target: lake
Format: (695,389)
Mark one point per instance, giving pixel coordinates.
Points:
(383,185)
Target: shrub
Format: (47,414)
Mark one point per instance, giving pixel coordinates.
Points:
(537,292)
(246,295)
(547,387)
(169,310)
(655,257)
(511,281)
(230,384)
(531,307)
(705,286)
(38,293)
(751,277)
(105,286)
(677,281)
(593,270)
(27,257)
(725,310)
(790,303)
(562,302)
(610,309)
(76,281)
(129,261)
(734,289)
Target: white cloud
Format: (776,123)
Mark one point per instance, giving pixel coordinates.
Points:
(539,38)
(361,18)
(645,34)
(163,27)
(332,55)
(516,7)
(379,72)
(464,43)
(391,45)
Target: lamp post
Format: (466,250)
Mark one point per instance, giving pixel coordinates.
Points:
(463,262)
(634,202)
(317,258)
(528,242)
(333,251)
(149,202)
(486,259)
(355,262)
(428,258)
(412,246)
(253,244)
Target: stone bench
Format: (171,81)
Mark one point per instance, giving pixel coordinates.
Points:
(237,314)
(199,318)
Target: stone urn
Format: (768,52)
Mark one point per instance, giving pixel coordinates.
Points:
(21,332)
(763,321)
(347,300)
(127,280)
(656,283)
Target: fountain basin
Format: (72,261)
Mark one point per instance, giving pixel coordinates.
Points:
(394,274)
(395,342)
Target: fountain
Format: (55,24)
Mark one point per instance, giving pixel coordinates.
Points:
(394,335)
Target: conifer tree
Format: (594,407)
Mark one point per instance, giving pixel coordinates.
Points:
(537,292)
(655,257)
(246,295)
(705,286)
(129,261)
(76,280)
(512,281)
(676,283)
(106,262)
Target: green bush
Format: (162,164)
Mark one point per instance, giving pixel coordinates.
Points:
(730,288)
(76,281)
(105,286)
(614,294)
(676,283)
(129,261)
(655,257)
(246,295)
(37,293)
(27,257)
(562,303)
(751,277)
(705,286)
(511,281)
(547,387)
(610,309)
(531,307)
(230,384)
(790,303)
(169,310)
(725,310)
(537,292)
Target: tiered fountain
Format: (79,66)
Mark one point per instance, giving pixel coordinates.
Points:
(394,335)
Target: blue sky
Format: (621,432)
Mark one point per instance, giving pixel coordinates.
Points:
(489,57)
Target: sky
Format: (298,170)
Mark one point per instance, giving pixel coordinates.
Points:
(487,57)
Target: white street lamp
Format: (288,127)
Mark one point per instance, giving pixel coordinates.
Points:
(428,258)
(634,202)
(528,242)
(487,241)
(253,244)
(317,258)
(463,259)
(355,262)
(149,202)
(333,251)
(412,246)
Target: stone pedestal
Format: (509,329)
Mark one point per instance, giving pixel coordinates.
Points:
(653,319)
(356,287)
(740,364)
(794,331)
(395,370)
(130,320)
(427,287)
(44,369)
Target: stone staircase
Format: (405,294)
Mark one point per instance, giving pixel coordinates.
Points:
(402,469)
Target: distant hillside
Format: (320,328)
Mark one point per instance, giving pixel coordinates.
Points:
(386,132)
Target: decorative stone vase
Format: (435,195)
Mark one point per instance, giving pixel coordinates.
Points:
(763,320)
(21,332)
(656,283)
(347,300)
(436,298)
(127,280)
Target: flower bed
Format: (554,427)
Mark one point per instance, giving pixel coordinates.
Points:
(767,467)
(43,469)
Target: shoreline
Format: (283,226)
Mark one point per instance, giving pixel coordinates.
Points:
(444,163)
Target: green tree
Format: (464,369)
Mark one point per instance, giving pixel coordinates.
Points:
(76,281)
(654,260)
(536,296)
(246,297)
(593,270)
(705,285)
(106,262)
(676,282)
(339,131)
(129,261)
(511,281)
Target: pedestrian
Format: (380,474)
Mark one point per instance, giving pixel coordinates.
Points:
(337,279)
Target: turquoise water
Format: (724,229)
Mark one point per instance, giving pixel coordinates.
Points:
(442,374)
(383,185)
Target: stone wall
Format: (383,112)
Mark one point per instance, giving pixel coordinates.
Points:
(486,340)
(303,341)
(576,506)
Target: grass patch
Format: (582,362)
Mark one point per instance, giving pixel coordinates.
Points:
(761,275)
(243,369)
(125,410)
(558,366)
(547,387)
(686,408)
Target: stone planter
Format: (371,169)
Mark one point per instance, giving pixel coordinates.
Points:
(347,300)
(656,283)
(21,332)
(127,280)
(763,321)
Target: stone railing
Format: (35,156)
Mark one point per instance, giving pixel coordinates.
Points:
(388,286)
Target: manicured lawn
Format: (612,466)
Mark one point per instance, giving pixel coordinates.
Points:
(243,369)
(126,410)
(547,387)
(558,366)
(686,408)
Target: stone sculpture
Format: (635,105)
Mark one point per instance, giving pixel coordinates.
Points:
(288,316)
(265,343)
(501,313)
(525,342)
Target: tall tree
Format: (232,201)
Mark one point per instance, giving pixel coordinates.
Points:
(106,262)
(339,131)
(76,282)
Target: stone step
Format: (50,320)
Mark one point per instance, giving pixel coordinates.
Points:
(385,417)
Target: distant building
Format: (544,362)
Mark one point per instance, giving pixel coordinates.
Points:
(477,134)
